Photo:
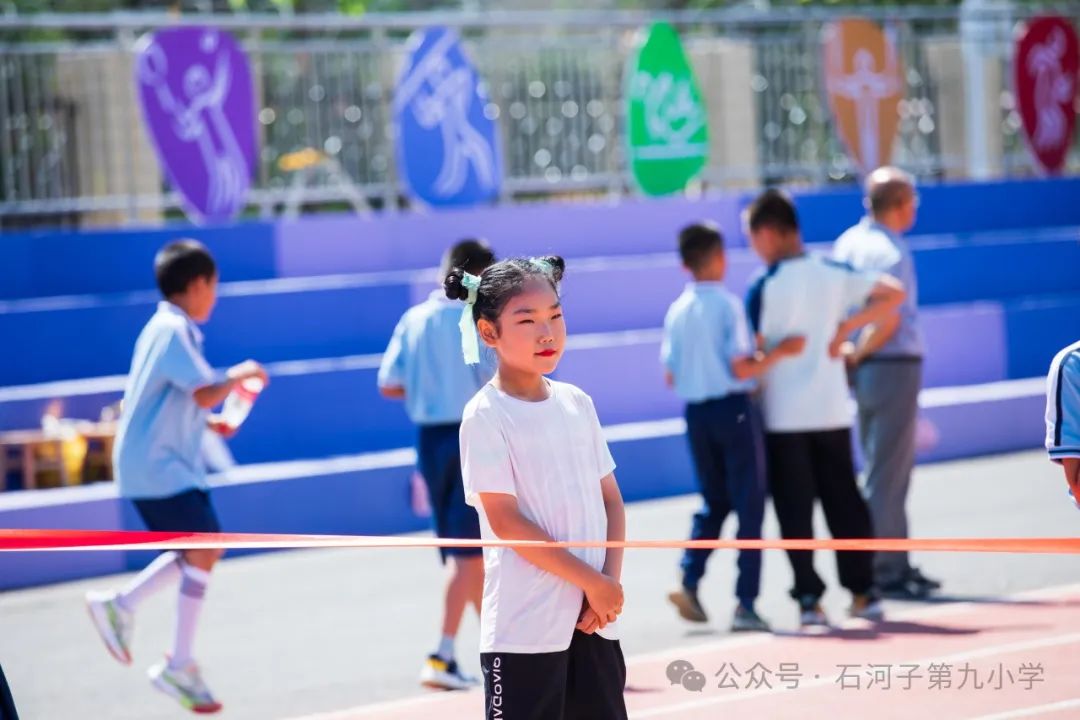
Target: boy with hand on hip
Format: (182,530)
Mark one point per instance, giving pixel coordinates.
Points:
(805,399)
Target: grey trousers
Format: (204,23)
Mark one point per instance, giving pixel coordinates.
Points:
(887,393)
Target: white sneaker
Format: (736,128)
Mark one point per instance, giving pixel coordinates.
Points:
(185,685)
(442,675)
(114,624)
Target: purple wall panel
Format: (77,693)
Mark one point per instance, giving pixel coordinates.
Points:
(973,429)
(342,244)
(965,345)
(626,382)
(84,508)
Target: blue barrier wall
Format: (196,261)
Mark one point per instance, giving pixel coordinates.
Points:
(1037,329)
(92,337)
(83,508)
(44,263)
(966,207)
(992,267)
(299,318)
(318,408)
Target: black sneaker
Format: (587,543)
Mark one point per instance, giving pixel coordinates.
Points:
(686,602)
(904,589)
(913,586)
(915,575)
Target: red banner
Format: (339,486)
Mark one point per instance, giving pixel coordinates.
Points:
(1045,69)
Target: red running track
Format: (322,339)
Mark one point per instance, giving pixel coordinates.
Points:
(1017,657)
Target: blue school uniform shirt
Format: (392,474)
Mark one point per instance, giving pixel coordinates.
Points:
(424,357)
(158,450)
(704,331)
(1063,405)
(871,246)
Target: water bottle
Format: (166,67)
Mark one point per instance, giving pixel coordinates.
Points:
(239,401)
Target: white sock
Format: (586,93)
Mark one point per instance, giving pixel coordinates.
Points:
(164,570)
(446,648)
(192,589)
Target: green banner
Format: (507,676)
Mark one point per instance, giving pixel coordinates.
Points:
(667,126)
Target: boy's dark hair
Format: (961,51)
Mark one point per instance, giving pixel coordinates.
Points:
(502,281)
(773,209)
(179,263)
(697,242)
(473,255)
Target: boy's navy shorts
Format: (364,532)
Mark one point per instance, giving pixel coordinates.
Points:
(189,511)
(439,458)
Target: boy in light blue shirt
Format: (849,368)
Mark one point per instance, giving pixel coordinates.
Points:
(1063,416)
(711,363)
(424,366)
(158,463)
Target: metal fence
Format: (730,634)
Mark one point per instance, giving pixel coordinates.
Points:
(72,148)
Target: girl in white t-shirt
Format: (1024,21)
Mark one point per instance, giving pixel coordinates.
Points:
(537,468)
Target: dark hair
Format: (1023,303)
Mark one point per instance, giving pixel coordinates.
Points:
(773,209)
(697,242)
(179,263)
(502,281)
(473,255)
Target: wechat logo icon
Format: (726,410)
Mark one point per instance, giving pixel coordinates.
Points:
(682,672)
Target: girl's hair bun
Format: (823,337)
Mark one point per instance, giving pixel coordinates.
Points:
(558,266)
(453,287)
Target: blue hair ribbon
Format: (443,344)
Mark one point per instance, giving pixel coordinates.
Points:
(543,265)
(470,346)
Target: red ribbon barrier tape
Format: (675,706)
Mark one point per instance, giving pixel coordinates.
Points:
(24,540)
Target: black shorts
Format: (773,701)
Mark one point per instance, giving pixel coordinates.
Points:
(189,511)
(583,682)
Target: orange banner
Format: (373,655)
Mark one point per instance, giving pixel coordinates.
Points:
(864,78)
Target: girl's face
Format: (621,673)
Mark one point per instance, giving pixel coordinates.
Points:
(531,334)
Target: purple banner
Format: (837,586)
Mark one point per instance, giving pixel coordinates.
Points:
(194,87)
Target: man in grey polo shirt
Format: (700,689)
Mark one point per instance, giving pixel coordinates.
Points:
(887,372)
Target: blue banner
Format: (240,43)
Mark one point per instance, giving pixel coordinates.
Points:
(447,143)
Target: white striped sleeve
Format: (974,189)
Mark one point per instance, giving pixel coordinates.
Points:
(1063,405)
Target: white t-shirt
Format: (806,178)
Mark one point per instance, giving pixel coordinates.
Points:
(807,295)
(551,455)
